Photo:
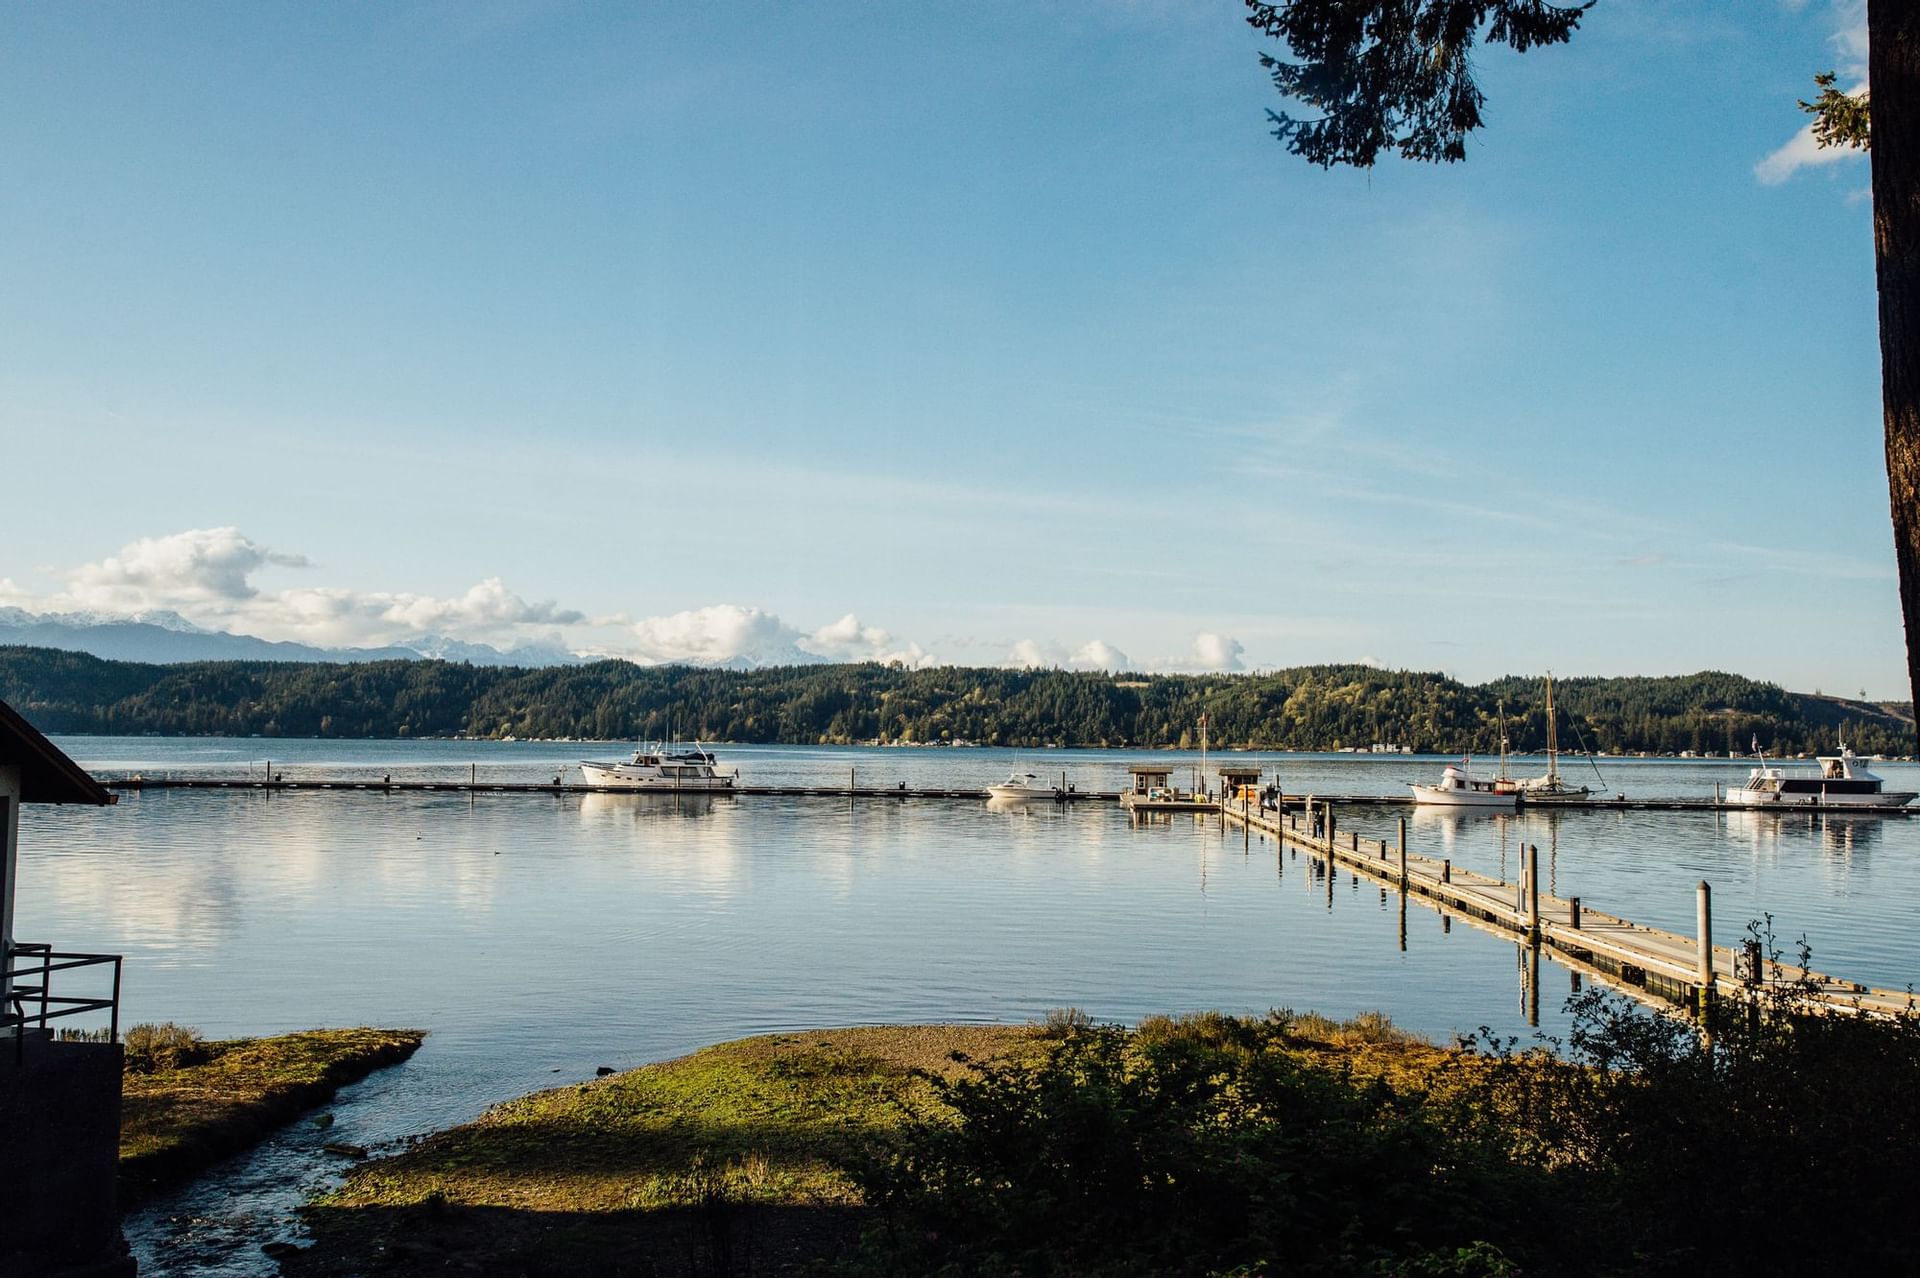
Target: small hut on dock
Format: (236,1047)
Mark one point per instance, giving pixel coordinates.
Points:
(1239,781)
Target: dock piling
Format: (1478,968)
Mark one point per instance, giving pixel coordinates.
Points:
(1403,855)
(1704,907)
(1573,912)
(1533,894)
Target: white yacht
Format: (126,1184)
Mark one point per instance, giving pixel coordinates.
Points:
(675,768)
(1459,788)
(1022,786)
(1840,783)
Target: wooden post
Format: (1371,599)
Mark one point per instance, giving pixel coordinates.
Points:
(473,775)
(1573,913)
(1246,826)
(1520,884)
(1353,840)
(1403,854)
(1328,809)
(1446,870)
(1704,905)
(1533,894)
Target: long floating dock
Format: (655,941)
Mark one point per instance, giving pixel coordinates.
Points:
(1137,804)
(536,787)
(1648,962)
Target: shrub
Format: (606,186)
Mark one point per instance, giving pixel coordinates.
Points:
(1193,1146)
(152,1048)
(1063,1022)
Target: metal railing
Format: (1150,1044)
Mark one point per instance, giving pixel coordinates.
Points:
(30,1001)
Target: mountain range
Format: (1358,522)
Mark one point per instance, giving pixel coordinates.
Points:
(167,638)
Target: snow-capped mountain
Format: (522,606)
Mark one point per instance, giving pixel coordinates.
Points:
(168,638)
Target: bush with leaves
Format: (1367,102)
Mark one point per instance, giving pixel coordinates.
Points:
(1776,1133)
(1200,1148)
(153,1048)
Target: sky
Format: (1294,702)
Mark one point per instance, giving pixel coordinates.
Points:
(985,333)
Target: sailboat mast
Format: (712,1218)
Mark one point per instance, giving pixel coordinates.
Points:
(1553,737)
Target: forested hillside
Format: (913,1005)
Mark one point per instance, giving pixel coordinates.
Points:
(1309,708)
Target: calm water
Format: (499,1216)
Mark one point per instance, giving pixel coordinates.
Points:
(540,936)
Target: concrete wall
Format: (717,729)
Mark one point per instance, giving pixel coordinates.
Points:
(59,1157)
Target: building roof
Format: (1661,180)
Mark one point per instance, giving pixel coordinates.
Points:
(46,774)
(1238,770)
(1152,769)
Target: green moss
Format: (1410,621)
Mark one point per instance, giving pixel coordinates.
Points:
(174,1123)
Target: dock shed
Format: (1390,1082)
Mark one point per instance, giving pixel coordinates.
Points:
(1239,778)
(1149,778)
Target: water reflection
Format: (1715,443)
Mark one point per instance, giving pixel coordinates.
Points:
(1839,834)
(642,806)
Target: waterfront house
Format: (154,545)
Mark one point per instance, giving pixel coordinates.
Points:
(59,1100)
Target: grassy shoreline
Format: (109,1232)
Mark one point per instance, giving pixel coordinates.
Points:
(176,1122)
(732,1159)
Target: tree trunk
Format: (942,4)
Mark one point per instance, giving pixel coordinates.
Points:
(1893,81)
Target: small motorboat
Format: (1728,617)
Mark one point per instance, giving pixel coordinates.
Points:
(1023,787)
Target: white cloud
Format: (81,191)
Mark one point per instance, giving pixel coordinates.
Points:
(1217,652)
(848,640)
(1029,655)
(1095,654)
(208,566)
(207,576)
(1098,654)
(718,634)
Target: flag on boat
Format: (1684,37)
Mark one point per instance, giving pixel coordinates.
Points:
(1756,743)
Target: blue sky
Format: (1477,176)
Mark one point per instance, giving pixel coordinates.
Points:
(974,333)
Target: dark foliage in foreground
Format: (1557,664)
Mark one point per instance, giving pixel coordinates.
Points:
(1200,1150)
(1306,708)
(1784,1140)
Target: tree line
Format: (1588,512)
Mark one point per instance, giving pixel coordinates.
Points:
(1305,708)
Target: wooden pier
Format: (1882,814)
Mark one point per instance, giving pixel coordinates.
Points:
(1646,962)
(477,786)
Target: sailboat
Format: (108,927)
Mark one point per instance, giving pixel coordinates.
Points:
(1552,788)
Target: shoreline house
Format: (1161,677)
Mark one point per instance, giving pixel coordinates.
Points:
(59,1099)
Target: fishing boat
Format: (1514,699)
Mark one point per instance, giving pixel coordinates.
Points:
(1841,782)
(1023,787)
(1459,788)
(662,768)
